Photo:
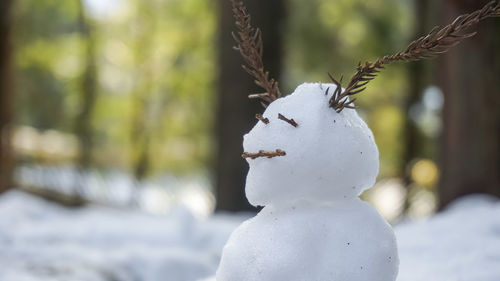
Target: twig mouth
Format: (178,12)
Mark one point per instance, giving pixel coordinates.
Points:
(263,153)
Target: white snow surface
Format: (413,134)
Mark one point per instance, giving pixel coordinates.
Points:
(41,241)
(329,156)
(460,244)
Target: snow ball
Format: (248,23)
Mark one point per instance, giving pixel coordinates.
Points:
(330,156)
(311,241)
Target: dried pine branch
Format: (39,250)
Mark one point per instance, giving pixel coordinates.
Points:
(249,44)
(262,153)
(438,41)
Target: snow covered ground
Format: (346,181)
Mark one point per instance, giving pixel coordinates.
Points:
(460,244)
(42,241)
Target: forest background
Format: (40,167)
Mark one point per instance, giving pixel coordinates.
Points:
(98,97)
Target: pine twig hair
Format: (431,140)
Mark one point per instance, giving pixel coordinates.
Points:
(438,41)
(249,44)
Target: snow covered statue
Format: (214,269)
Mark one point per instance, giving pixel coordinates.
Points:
(310,157)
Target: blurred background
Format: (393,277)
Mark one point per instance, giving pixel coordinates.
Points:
(143,103)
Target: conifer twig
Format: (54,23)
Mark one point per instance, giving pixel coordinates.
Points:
(262,118)
(263,153)
(249,44)
(438,41)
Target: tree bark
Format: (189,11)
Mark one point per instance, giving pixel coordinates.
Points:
(468,76)
(141,127)
(88,91)
(236,113)
(6,118)
(417,80)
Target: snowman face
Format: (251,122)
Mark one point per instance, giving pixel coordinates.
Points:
(329,156)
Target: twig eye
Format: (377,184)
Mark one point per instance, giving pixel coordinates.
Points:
(289,121)
(261,118)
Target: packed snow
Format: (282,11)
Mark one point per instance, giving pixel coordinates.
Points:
(329,155)
(313,225)
(311,241)
(40,241)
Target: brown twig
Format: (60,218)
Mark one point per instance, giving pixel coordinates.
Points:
(261,118)
(262,153)
(438,41)
(249,44)
(289,121)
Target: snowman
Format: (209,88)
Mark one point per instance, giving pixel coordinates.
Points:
(308,166)
(310,157)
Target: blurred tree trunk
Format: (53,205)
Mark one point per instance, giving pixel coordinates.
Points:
(236,113)
(141,123)
(6,157)
(83,126)
(469,77)
(418,79)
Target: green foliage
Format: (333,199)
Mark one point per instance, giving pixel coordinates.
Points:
(45,19)
(46,76)
(156,65)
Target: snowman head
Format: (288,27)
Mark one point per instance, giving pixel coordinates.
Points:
(328,156)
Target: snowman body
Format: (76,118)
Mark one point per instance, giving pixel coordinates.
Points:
(313,226)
